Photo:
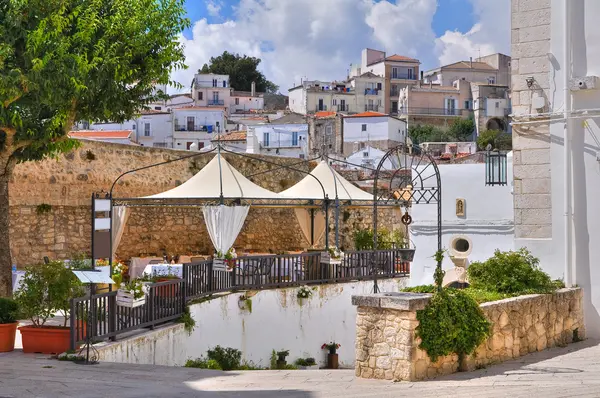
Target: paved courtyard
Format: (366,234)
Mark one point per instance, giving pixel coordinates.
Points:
(573,371)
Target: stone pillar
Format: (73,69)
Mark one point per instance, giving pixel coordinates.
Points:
(385,344)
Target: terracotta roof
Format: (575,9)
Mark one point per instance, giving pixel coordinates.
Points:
(401,58)
(324,114)
(368,114)
(231,136)
(467,65)
(115,134)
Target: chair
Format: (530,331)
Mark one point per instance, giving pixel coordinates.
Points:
(258,270)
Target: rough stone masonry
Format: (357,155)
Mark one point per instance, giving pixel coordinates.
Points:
(387,348)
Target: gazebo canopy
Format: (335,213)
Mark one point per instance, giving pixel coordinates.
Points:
(213,180)
(334,184)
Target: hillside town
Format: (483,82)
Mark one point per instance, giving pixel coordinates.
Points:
(230,198)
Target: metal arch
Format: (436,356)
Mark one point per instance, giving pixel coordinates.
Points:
(436,193)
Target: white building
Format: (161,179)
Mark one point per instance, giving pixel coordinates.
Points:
(372,129)
(197,125)
(368,157)
(288,136)
(180,101)
(555,127)
(211,90)
(113,136)
(491,69)
(486,223)
(234,141)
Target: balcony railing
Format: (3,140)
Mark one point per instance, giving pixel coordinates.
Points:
(371,91)
(189,127)
(281,144)
(403,76)
(216,102)
(320,108)
(394,93)
(431,111)
(374,108)
(343,108)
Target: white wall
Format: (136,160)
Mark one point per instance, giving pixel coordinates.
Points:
(161,130)
(202,117)
(378,129)
(586,168)
(246,103)
(488,220)
(297,100)
(278,321)
(280,138)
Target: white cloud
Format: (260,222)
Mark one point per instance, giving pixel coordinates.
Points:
(319,39)
(490,34)
(213,8)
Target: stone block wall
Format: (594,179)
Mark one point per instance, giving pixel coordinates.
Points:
(387,348)
(67,183)
(531,142)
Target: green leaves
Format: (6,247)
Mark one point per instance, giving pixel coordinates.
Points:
(460,130)
(511,272)
(242,71)
(497,139)
(451,323)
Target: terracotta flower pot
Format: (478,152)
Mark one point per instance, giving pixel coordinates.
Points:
(45,340)
(166,291)
(7,336)
(332,361)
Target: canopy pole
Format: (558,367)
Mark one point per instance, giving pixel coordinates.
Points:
(312,227)
(220,171)
(337,222)
(327,224)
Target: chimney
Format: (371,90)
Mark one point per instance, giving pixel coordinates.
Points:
(471,62)
(253,89)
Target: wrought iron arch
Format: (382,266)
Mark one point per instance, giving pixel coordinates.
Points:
(413,179)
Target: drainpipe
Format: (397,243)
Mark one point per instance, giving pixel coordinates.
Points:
(567,145)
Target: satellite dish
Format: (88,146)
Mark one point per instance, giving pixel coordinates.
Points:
(194,147)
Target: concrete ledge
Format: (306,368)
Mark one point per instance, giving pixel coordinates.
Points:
(403,301)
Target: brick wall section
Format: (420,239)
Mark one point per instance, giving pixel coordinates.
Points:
(531,143)
(66,184)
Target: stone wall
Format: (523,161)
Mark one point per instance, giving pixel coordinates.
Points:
(67,183)
(387,348)
(531,142)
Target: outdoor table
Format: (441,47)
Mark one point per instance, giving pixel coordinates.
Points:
(164,269)
(138,264)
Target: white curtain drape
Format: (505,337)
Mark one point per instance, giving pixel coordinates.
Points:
(303,216)
(224,224)
(120,214)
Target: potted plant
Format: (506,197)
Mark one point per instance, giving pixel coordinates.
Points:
(225,261)
(45,290)
(169,290)
(281,362)
(332,256)
(8,324)
(131,294)
(405,253)
(332,357)
(307,364)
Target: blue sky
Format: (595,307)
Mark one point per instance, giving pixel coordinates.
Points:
(319,39)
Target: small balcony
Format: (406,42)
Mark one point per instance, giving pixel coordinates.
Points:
(394,94)
(320,108)
(371,91)
(281,144)
(373,108)
(403,76)
(431,111)
(216,102)
(191,128)
(343,108)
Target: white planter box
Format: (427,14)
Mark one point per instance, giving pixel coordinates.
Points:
(125,299)
(219,265)
(326,259)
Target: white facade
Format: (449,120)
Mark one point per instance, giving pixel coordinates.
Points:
(373,128)
(367,157)
(289,140)
(557,185)
(297,100)
(243,102)
(487,223)
(154,129)
(179,101)
(196,125)
(211,90)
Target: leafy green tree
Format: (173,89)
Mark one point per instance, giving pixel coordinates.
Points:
(461,130)
(62,61)
(242,71)
(426,133)
(497,139)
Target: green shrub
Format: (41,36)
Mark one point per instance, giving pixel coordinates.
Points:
(452,322)
(363,239)
(420,289)
(305,362)
(9,311)
(484,296)
(189,323)
(227,358)
(202,363)
(512,272)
